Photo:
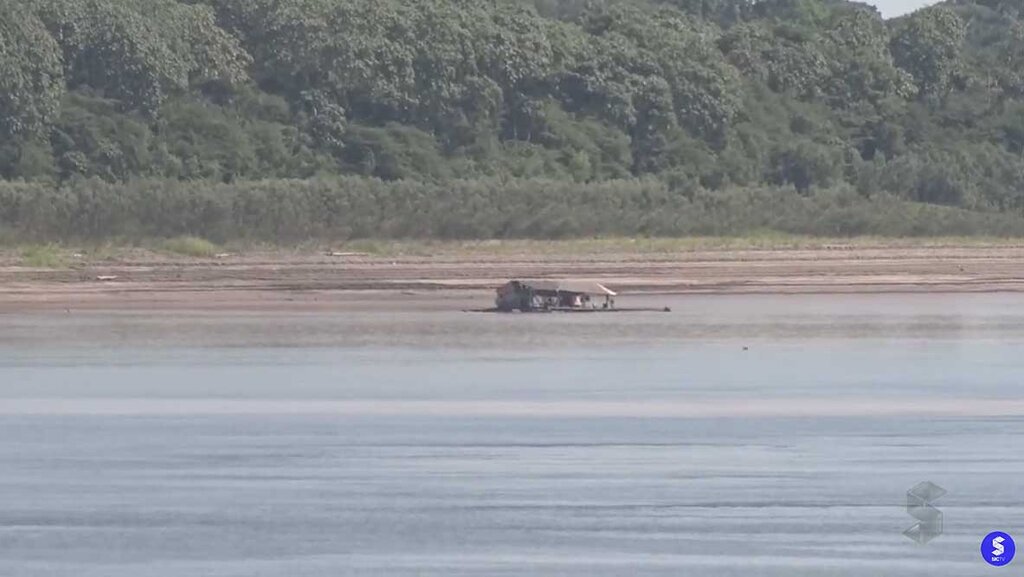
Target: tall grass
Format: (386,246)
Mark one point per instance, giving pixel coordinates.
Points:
(190,246)
(350,208)
(42,256)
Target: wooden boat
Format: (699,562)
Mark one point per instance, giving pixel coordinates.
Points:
(549,296)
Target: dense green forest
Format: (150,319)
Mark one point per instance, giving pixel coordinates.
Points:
(284,119)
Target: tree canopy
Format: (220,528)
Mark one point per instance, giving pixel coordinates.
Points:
(702,95)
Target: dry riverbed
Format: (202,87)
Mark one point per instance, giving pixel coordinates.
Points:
(453,276)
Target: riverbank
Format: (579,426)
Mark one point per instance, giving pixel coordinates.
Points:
(369,276)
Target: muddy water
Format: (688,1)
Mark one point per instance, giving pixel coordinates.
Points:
(741,435)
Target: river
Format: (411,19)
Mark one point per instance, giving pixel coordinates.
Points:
(736,435)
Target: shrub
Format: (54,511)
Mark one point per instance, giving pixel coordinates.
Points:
(190,246)
(42,256)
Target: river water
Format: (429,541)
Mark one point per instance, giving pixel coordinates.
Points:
(737,435)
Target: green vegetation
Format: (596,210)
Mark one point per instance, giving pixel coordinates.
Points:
(42,256)
(339,208)
(657,247)
(284,120)
(83,255)
(190,246)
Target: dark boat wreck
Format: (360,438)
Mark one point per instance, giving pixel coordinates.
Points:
(548,296)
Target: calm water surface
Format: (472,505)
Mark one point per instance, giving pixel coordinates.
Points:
(746,435)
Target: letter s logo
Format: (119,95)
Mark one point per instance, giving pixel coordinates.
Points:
(997,546)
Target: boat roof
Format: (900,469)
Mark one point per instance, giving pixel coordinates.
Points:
(569,286)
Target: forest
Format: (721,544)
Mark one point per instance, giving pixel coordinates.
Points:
(280,120)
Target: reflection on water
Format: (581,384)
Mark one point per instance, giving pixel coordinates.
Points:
(748,435)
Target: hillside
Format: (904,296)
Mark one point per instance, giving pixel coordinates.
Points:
(339,118)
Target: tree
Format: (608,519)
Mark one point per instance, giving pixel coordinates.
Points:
(779,56)
(31,77)
(861,67)
(928,44)
(138,52)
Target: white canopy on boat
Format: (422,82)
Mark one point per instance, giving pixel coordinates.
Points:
(570,286)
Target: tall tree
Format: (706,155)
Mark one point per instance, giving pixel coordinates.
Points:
(929,45)
(31,76)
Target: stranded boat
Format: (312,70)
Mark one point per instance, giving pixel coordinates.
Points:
(546,296)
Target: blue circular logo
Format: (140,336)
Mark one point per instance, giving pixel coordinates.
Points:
(998,549)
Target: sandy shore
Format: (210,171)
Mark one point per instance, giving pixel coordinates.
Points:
(319,281)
